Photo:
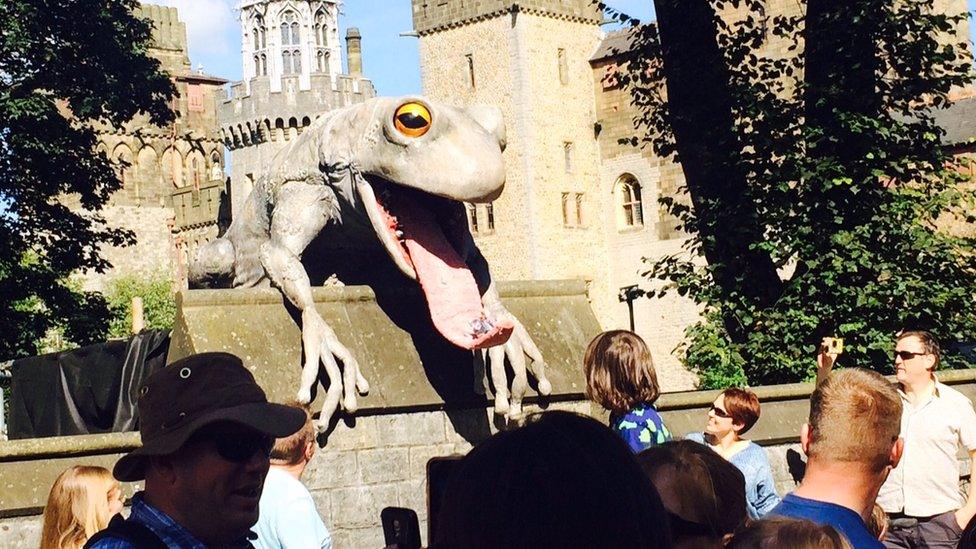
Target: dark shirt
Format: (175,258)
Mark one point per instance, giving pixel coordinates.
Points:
(165,528)
(844,520)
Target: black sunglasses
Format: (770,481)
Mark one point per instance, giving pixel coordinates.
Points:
(239,448)
(720,412)
(907,355)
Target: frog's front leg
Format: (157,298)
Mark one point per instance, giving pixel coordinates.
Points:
(301,211)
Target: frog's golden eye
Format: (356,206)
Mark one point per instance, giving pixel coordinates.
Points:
(412,119)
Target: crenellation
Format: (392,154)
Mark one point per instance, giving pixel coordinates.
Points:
(285,86)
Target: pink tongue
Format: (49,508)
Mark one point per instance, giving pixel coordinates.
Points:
(452,294)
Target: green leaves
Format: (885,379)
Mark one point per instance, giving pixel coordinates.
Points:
(858,201)
(158,302)
(65,66)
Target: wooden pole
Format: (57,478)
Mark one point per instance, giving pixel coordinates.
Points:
(138,316)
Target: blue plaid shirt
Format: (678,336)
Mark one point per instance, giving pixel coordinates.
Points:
(171,533)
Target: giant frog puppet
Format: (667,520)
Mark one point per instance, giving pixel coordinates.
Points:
(396,170)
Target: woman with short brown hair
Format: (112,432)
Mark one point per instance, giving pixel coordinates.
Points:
(733,413)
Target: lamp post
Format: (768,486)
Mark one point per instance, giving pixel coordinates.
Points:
(628,294)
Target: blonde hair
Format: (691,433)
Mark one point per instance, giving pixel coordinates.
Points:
(855,417)
(619,371)
(77,507)
(291,449)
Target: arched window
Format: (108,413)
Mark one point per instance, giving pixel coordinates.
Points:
(123,164)
(260,42)
(320,29)
(320,61)
(264,65)
(291,56)
(630,209)
(216,171)
(286,62)
(289,29)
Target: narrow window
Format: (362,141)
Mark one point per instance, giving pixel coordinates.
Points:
(579,209)
(568,156)
(286,62)
(470,58)
(472,217)
(296,59)
(490,216)
(563,68)
(566,213)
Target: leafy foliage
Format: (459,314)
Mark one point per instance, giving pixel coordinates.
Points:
(845,171)
(64,66)
(158,302)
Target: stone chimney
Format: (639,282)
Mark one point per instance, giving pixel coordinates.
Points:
(354,58)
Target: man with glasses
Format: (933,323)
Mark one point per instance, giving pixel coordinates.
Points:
(207,431)
(922,496)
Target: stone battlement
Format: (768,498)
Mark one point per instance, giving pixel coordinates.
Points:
(256,114)
(434,15)
(168,35)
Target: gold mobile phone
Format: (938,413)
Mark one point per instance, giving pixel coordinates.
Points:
(835,345)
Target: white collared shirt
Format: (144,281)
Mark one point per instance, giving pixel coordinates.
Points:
(926,481)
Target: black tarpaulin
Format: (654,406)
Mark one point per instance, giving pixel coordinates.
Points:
(89,390)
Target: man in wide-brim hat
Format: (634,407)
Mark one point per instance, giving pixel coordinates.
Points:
(207,430)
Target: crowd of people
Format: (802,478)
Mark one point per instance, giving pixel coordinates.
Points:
(222,467)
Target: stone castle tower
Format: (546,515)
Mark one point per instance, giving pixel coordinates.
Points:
(530,58)
(172,176)
(292,74)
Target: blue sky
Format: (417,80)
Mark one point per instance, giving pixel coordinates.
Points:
(391,61)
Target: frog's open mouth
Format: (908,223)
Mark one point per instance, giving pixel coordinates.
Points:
(423,235)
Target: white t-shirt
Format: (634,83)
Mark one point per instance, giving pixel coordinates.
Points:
(288,518)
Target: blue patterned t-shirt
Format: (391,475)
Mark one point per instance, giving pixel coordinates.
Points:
(641,427)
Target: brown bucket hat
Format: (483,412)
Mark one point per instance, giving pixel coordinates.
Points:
(196,391)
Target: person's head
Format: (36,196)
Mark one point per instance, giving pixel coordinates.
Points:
(619,371)
(297,448)
(82,501)
(917,355)
(877,523)
(735,410)
(704,494)
(855,420)
(561,480)
(207,432)
(777,532)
